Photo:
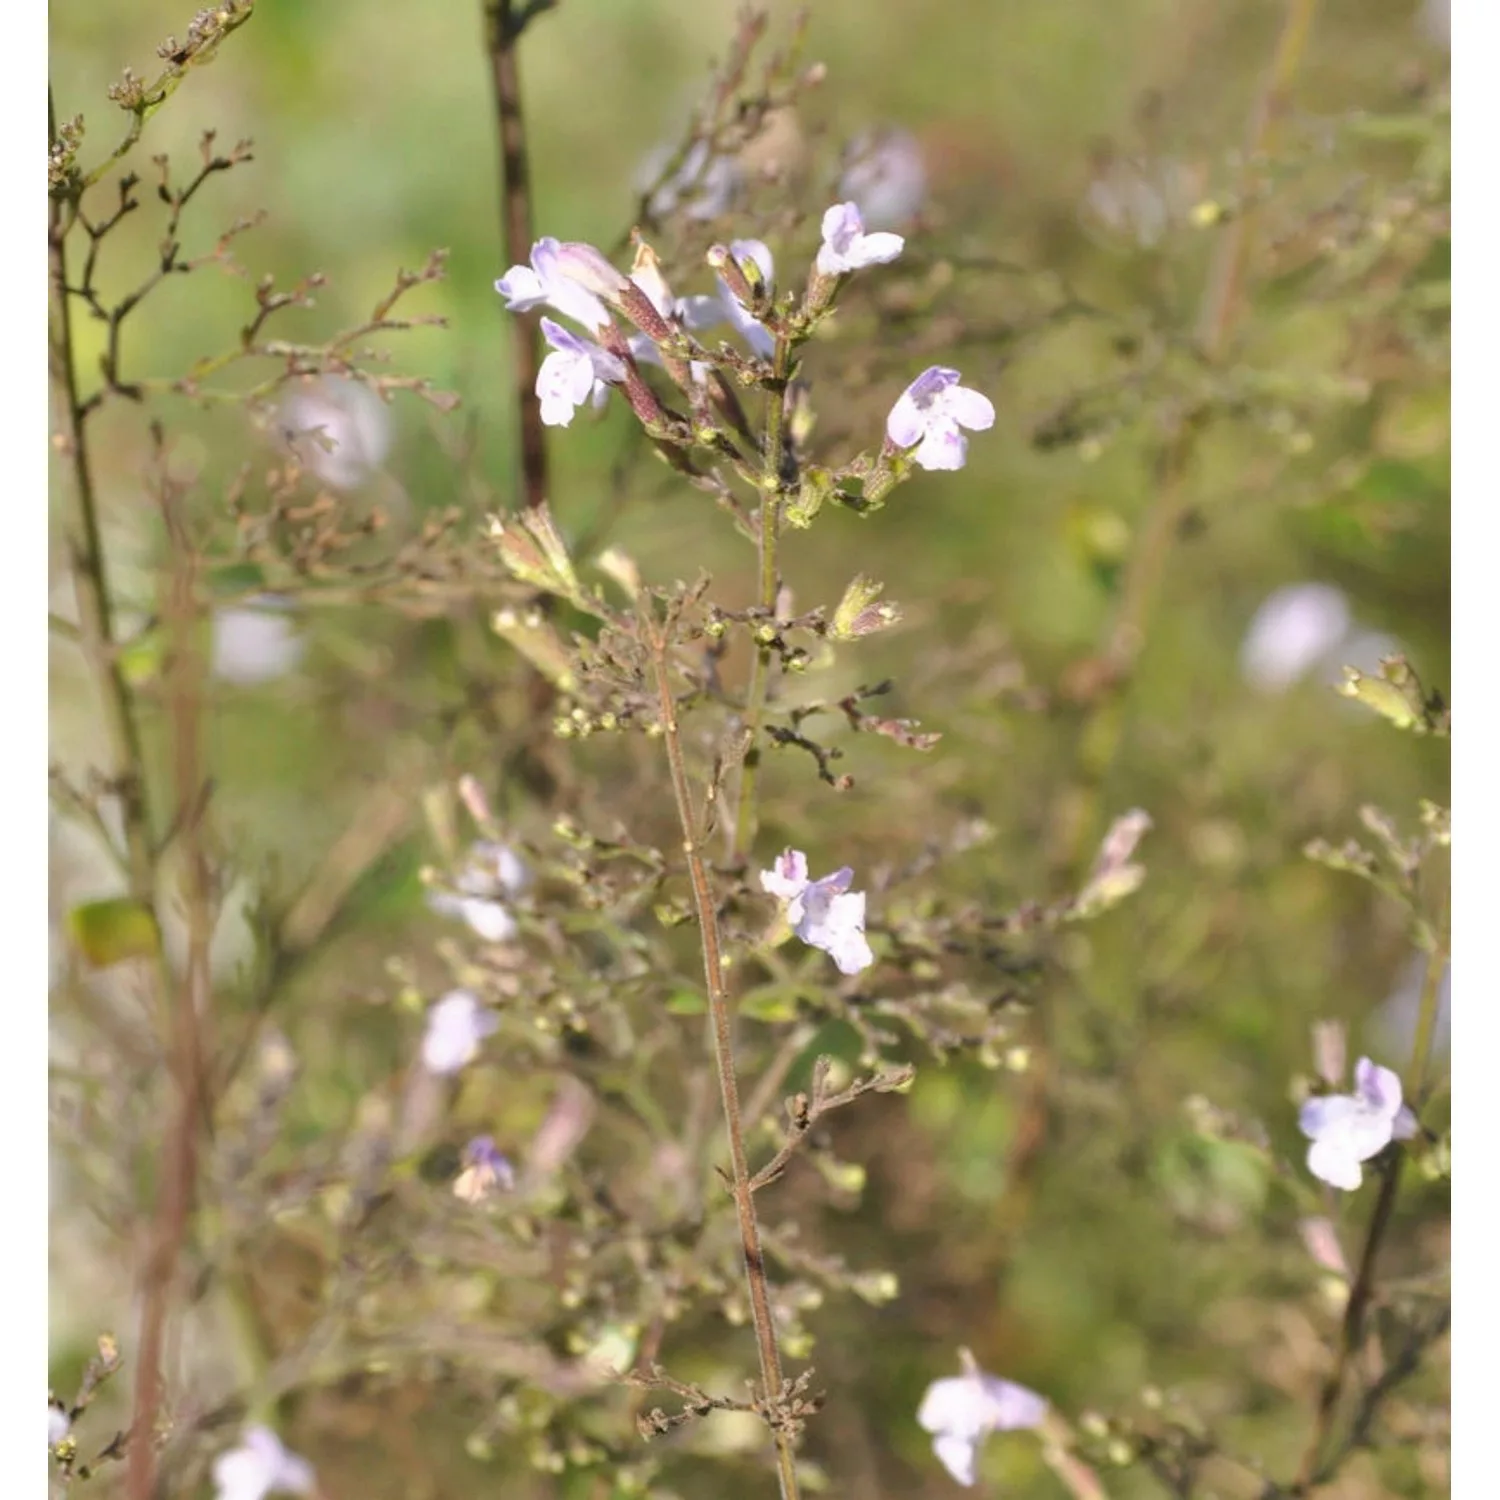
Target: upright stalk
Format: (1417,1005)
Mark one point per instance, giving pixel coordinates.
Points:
(723,1043)
(1362,1291)
(771,495)
(126,768)
(122,740)
(504,22)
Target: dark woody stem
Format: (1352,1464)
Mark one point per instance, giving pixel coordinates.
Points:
(504,21)
(1362,1292)
(723,1045)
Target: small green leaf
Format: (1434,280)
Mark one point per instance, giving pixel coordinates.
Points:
(112,931)
(687,1003)
(774,1002)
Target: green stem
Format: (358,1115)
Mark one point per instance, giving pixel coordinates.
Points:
(1427,1010)
(723,1044)
(771,496)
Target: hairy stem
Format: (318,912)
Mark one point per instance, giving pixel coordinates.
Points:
(771,495)
(718,1004)
(503,25)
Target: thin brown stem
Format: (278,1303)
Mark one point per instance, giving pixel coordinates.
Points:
(723,1044)
(189,1010)
(504,21)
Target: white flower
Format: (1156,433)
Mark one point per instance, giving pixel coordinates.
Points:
(456,1025)
(929,413)
(824,913)
(340,429)
(260,1466)
(1347,1129)
(552,280)
(58,1424)
(963,1410)
(254,642)
(492,872)
(576,371)
(885,177)
(846,246)
(1294,630)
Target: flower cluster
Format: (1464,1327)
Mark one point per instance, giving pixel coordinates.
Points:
(927,421)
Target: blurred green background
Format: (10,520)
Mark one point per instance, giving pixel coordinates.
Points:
(1143,1254)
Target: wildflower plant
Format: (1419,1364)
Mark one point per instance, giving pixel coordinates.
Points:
(543,1076)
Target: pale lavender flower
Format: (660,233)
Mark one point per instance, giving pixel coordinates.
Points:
(485,1169)
(58,1424)
(703,185)
(885,177)
(456,1025)
(340,429)
(846,246)
(1296,629)
(260,1466)
(1347,1129)
(824,913)
(492,873)
(577,371)
(1141,199)
(963,1410)
(254,642)
(561,277)
(929,414)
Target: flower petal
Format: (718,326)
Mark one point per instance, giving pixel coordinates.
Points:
(971,409)
(522,289)
(1330,1162)
(905,425)
(944,447)
(1013,1405)
(875,249)
(959,1456)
